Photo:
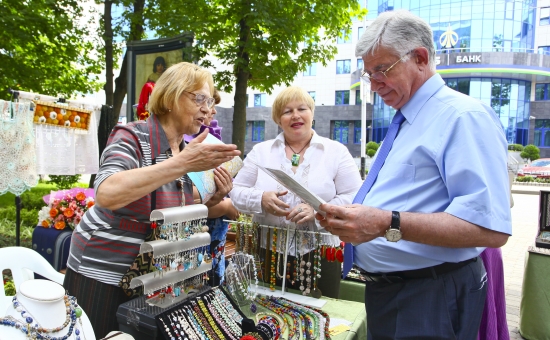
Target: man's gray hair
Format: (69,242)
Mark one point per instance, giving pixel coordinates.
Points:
(400,31)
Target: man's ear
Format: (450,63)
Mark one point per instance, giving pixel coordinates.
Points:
(421,57)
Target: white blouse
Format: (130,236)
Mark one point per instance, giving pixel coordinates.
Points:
(328,170)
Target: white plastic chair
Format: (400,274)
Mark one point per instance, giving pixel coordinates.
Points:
(23,263)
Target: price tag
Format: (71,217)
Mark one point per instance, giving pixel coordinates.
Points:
(338,329)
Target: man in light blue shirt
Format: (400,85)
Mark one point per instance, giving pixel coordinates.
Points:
(440,198)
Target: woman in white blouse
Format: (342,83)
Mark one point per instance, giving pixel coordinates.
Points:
(324,166)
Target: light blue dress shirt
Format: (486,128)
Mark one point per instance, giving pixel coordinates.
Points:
(450,155)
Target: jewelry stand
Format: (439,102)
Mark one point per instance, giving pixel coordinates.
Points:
(43,300)
(310,301)
(155,281)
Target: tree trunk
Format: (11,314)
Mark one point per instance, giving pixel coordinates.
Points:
(241,84)
(108,37)
(114,99)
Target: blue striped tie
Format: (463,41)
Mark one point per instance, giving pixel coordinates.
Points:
(371,178)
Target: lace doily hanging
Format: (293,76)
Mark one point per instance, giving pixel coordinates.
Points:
(62,151)
(17,150)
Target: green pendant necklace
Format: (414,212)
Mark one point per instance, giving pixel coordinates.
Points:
(295,159)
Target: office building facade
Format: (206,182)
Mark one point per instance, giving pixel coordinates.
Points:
(495,51)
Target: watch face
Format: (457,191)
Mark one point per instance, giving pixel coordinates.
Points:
(393,235)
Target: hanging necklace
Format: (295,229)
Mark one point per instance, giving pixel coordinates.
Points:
(295,159)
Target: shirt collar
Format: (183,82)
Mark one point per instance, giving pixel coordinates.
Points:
(425,92)
(315,139)
(157,137)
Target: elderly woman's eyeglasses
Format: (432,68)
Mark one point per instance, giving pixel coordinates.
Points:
(200,99)
(381,75)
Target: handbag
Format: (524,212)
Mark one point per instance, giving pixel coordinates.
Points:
(143,263)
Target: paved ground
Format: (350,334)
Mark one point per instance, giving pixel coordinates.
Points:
(525,227)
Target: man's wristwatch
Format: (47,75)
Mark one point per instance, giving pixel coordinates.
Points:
(393,234)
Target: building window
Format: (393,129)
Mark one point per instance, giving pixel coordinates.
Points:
(247,100)
(360,64)
(357,97)
(312,94)
(313,124)
(360,31)
(343,66)
(342,97)
(345,38)
(542,133)
(541,92)
(544,50)
(544,16)
(259,99)
(340,131)
(311,70)
(356,132)
(258,130)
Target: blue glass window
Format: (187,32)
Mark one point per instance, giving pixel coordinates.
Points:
(345,38)
(541,92)
(343,66)
(342,98)
(544,16)
(360,64)
(542,133)
(356,132)
(258,130)
(340,131)
(544,50)
(260,99)
(312,94)
(360,31)
(311,70)
(357,97)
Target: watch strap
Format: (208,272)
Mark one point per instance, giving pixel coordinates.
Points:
(395,220)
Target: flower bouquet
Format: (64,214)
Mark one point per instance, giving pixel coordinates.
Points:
(65,208)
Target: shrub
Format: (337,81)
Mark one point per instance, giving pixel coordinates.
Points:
(29,218)
(371,148)
(530,152)
(64,182)
(7,234)
(525,179)
(515,147)
(9,288)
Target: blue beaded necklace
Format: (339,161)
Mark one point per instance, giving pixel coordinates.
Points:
(36,331)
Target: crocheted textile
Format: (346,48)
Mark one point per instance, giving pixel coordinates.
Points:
(17,151)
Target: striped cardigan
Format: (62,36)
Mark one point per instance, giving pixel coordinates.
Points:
(105,242)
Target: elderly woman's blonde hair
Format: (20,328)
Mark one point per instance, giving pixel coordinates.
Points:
(173,82)
(290,94)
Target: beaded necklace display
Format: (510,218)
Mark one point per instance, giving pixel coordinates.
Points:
(311,319)
(316,292)
(324,314)
(195,322)
(226,304)
(210,319)
(281,321)
(211,330)
(36,331)
(298,327)
(218,318)
(272,278)
(180,321)
(233,326)
(309,324)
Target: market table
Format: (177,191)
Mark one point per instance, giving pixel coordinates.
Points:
(534,310)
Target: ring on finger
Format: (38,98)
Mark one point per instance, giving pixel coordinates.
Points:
(299,210)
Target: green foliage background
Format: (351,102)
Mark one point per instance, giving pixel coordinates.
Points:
(47,47)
